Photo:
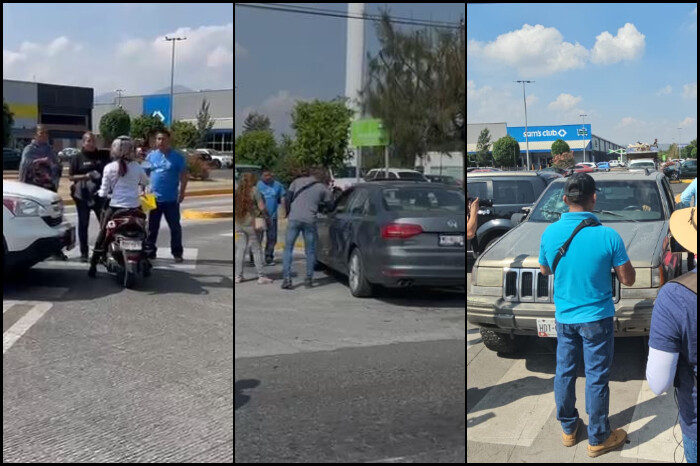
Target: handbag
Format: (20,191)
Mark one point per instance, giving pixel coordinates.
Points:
(260,224)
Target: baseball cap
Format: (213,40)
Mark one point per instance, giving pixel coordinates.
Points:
(579,185)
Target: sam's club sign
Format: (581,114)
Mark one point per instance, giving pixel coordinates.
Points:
(549,133)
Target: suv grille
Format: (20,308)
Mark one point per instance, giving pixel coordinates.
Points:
(53,222)
(529,285)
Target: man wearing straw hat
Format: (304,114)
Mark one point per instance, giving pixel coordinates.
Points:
(673,338)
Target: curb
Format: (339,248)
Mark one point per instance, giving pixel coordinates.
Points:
(201,215)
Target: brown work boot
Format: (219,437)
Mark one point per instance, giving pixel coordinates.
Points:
(569,440)
(617,438)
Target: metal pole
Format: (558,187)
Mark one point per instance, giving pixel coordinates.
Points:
(527,139)
(679,142)
(172,76)
(583,136)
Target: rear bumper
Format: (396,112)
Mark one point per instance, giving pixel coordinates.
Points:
(632,316)
(400,271)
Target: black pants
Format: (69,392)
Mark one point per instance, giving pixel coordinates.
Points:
(84,221)
(107,214)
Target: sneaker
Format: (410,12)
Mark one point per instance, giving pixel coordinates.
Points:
(287,284)
(308,283)
(179,260)
(271,261)
(239,279)
(569,440)
(264,281)
(84,258)
(617,438)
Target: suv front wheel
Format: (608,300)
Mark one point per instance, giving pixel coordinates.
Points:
(501,342)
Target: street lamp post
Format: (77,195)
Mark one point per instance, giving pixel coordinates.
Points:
(119,97)
(679,142)
(527,139)
(583,135)
(172,76)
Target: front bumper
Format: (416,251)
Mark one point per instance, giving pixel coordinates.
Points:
(42,248)
(632,316)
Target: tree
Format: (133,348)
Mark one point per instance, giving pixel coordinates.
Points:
(322,132)
(184,134)
(145,126)
(505,151)
(114,124)
(204,124)
(482,147)
(564,160)
(7,122)
(256,122)
(559,146)
(691,150)
(257,148)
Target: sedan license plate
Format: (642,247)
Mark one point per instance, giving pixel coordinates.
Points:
(131,245)
(452,240)
(546,328)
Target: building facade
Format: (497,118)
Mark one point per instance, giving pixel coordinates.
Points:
(185,107)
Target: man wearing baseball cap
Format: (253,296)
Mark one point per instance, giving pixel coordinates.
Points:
(673,337)
(581,252)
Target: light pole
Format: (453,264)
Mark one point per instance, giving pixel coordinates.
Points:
(527,139)
(679,142)
(583,135)
(172,75)
(119,97)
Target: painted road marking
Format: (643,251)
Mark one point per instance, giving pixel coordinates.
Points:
(24,323)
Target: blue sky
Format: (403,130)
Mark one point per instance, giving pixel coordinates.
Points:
(283,57)
(118,45)
(632,68)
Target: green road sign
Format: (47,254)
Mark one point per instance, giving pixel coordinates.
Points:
(368,133)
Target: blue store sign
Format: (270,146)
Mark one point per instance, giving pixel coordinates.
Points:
(548,133)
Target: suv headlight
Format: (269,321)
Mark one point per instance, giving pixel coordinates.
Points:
(22,207)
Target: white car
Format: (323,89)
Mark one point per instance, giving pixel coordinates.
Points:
(614,163)
(395,174)
(590,164)
(33,225)
(219,159)
(640,165)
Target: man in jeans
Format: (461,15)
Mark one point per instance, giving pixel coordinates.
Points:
(308,193)
(584,312)
(169,182)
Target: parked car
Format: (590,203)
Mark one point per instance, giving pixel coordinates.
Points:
(640,165)
(614,163)
(603,166)
(560,171)
(444,179)
(507,193)
(65,155)
(33,225)
(670,169)
(395,174)
(486,170)
(395,234)
(583,168)
(344,179)
(11,158)
(688,169)
(509,298)
(218,159)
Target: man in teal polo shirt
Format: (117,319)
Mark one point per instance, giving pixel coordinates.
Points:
(584,312)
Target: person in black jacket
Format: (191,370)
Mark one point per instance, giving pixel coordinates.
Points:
(86,170)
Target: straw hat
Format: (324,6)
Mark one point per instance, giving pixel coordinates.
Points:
(684,227)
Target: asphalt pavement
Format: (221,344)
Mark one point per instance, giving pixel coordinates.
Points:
(95,373)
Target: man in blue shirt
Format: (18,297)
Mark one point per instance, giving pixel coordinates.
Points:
(169,182)
(273,192)
(584,312)
(673,337)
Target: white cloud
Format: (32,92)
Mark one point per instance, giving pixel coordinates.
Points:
(137,64)
(277,107)
(627,45)
(564,102)
(532,50)
(665,90)
(690,91)
(688,122)
(629,121)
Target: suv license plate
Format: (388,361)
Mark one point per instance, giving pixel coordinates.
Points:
(131,245)
(546,328)
(452,240)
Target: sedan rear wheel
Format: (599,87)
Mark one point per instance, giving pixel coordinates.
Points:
(359,286)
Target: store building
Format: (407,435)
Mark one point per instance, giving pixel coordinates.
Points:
(66,111)
(185,108)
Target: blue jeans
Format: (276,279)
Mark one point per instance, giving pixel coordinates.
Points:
(690,447)
(294,229)
(171,210)
(271,234)
(594,341)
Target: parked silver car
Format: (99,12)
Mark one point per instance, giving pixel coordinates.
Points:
(509,297)
(395,234)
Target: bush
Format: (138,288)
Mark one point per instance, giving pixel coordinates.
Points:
(197,168)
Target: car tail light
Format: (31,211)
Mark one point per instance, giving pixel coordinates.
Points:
(401,231)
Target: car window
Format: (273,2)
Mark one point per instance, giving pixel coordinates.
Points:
(422,200)
(411,176)
(668,192)
(513,192)
(341,205)
(356,204)
(477,189)
(622,201)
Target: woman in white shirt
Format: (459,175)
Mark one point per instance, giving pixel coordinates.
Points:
(122,180)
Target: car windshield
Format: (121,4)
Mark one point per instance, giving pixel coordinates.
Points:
(642,165)
(411,176)
(423,200)
(617,201)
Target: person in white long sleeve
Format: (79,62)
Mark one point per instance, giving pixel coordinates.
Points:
(122,181)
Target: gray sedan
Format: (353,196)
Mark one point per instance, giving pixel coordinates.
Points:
(395,234)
